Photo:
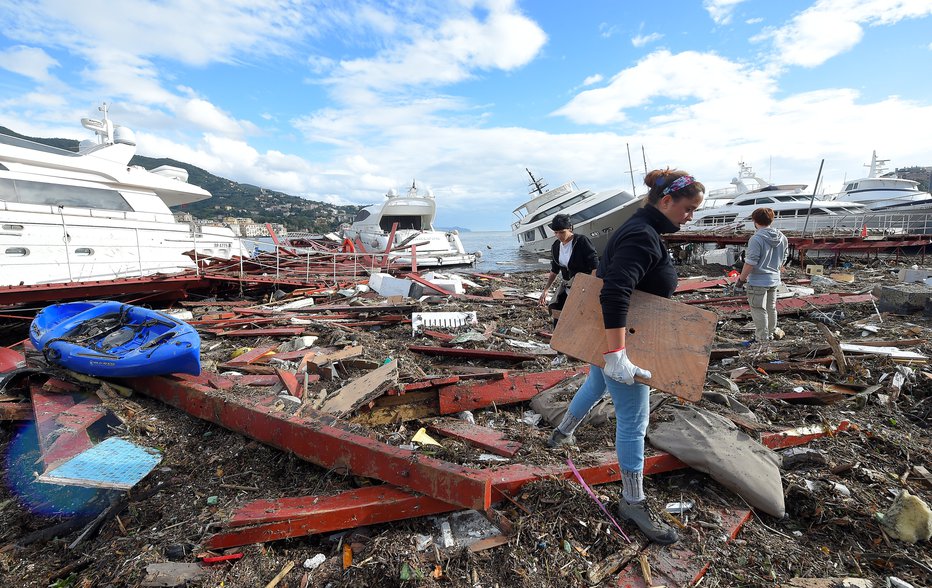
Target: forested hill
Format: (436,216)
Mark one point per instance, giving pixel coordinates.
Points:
(234,199)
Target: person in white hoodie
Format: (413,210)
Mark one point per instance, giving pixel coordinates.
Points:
(767,253)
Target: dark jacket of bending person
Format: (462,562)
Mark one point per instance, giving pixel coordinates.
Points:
(570,254)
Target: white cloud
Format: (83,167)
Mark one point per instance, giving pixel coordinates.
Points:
(831,27)
(720,10)
(447,54)
(593,79)
(31,62)
(662,75)
(641,40)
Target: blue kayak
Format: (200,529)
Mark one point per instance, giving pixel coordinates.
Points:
(116,340)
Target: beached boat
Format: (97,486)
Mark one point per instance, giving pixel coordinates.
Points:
(407,223)
(594,214)
(90,215)
(794,207)
(882,192)
(112,339)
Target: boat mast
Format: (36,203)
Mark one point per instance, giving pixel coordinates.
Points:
(631,171)
(812,198)
(536,184)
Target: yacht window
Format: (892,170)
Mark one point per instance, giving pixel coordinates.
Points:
(763,201)
(361,215)
(600,208)
(27,192)
(404,222)
(543,232)
(12,227)
(17,251)
(527,236)
(84,251)
(554,209)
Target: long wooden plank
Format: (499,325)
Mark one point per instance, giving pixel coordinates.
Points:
(670,339)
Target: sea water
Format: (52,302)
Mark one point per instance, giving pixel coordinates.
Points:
(500,252)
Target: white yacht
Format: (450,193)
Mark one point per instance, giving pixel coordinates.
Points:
(414,215)
(885,193)
(594,214)
(88,215)
(794,208)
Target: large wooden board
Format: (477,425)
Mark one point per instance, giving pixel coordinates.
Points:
(670,339)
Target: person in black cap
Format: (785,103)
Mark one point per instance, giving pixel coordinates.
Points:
(569,255)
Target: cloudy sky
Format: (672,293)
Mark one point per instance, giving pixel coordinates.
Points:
(340,101)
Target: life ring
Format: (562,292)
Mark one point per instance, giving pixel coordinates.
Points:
(348,246)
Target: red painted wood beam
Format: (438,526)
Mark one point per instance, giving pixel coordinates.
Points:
(279,332)
(270,520)
(429,284)
(325,441)
(491,440)
(794,305)
(295,517)
(504,389)
(472,353)
(175,285)
(250,356)
(61,424)
(10,360)
(700,284)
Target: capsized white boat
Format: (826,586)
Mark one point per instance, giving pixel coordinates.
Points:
(594,214)
(412,215)
(794,207)
(88,215)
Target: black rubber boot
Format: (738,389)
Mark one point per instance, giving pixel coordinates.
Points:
(649,522)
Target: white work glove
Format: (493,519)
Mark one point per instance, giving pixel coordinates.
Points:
(618,367)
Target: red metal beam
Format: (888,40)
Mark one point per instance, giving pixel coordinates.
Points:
(325,441)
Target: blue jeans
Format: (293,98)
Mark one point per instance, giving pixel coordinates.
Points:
(632,411)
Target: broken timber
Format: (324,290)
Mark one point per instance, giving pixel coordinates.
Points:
(269,520)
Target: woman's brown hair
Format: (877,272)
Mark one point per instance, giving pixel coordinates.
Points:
(660,182)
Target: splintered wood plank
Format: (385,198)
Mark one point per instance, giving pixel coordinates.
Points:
(276,332)
(15,411)
(840,360)
(345,353)
(677,567)
(361,390)
(670,339)
(491,440)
